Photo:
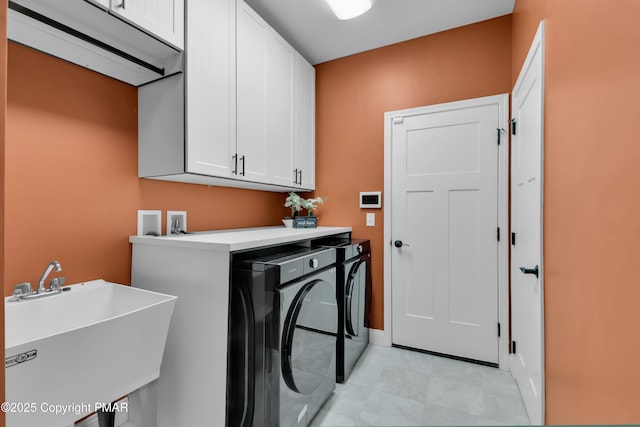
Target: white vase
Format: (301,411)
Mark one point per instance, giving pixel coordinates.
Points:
(288,222)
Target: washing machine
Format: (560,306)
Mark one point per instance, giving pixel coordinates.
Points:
(353,260)
(283,325)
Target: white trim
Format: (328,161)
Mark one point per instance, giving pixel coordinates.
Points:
(537,45)
(378,337)
(503,214)
(505,235)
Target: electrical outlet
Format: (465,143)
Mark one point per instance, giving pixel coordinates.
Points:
(371,219)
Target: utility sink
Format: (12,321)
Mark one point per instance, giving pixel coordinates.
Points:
(68,353)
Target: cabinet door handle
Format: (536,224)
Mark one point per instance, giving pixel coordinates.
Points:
(295,176)
(235,164)
(300,180)
(242,160)
(123,5)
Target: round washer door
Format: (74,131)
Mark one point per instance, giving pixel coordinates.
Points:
(308,353)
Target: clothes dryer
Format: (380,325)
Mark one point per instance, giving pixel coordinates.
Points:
(353,259)
(283,324)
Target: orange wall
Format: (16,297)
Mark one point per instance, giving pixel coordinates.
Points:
(3,109)
(72,191)
(354,92)
(592,205)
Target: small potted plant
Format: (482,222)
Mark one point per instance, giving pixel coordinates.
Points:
(294,202)
(311,204)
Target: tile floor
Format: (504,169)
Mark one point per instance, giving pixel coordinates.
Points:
(396,387)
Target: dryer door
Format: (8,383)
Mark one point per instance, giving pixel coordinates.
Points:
(308,353)
(356,304)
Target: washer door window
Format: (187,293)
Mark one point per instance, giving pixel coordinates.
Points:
(308,348)
(355,302)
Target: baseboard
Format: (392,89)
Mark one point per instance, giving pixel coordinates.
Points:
(378,337)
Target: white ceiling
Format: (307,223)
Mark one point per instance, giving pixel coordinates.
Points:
(312,28)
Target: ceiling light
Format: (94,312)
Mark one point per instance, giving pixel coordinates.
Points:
(347,9)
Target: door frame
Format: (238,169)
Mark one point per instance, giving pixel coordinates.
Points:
(502,100)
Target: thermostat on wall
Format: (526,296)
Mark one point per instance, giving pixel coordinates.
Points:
(371,199)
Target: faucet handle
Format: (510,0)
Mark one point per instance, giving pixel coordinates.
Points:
(56,283)
(21,290)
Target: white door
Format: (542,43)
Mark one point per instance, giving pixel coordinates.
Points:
(526,222)
(444,227)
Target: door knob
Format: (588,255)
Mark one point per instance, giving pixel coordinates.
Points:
(535,271)
(399,244)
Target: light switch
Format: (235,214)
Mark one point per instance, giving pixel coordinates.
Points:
(371,219)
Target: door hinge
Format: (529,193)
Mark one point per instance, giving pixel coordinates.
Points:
(398,120)
(498,234)
(513,126)
(513,239)
(500,130)
(498,329)
(513,347)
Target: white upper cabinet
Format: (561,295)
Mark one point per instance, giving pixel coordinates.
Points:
(164,19)
(241,115)
(280,69)
(304,120)
(251,74)
(210,76)
(264,127)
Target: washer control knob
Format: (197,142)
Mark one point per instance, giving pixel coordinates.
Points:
(359,249)
(313,263)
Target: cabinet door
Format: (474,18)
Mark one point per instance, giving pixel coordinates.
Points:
(164,19)
(280,63)
(304,108)
(252,34)
(210,87)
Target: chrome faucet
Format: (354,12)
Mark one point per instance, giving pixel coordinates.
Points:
(23,291)
(53,264)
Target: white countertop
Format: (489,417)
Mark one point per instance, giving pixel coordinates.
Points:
(241,238)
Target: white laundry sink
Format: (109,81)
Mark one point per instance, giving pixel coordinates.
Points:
(90,345)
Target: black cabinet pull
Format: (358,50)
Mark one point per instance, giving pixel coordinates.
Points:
(235,164)
(535,271)
(295,176)
(300,180)
(242,160)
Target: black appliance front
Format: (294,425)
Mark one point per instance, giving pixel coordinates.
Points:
(252,344)
(308,346)
(281,341)
(356,300)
